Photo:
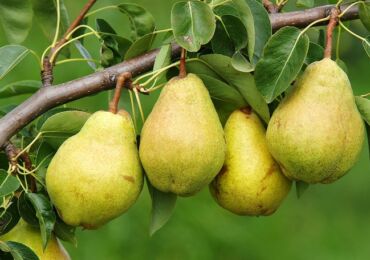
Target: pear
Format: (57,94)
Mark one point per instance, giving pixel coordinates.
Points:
(316,133)
(250,182)
(96,174)
(31,237)
(182,144)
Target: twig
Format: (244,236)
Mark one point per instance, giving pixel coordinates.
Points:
(329,31)
(47,72)
(49,97)
(271,7)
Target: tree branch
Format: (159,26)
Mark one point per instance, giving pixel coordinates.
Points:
(49,97)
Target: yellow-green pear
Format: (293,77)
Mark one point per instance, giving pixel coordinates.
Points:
(182,144)
(31,237)
(250,182)
(316,133)
(96,175)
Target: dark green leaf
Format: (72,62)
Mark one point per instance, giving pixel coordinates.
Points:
(65,232)
(60,126)
(193,24)
(221,42)
(364,12)
(140,46)
(141,21)
(224,110)
(9,216)
(45,214)
(26,210)
(282,60)
(243,82)
(18,251)
(305,3)
(163,205)
(8,183)
(363,105)
(366,44)
(315,53)
(20,88)
(222,91)
(235,30)
(10,56)
(16,19)
(300,188)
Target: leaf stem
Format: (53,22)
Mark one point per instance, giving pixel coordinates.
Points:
(350,32)
(101,9)
(57,25)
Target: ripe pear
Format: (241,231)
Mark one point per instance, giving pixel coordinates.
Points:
(250,182)
(182,144)
(96,174)
(316,133)
(31,237)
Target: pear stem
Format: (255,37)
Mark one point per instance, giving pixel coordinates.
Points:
(182,66)
(122,79)
(334,18)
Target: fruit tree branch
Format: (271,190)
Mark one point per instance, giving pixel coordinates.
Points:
(52,96)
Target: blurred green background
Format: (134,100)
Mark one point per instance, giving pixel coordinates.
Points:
(328,222)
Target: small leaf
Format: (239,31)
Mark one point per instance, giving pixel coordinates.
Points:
(141,21)
(221,42)
(243,82)
(26,210)
(16,19)
(342,65)
(163,59)
(301,187)
(235,30)
(363,105)
(282,60)
(10,56)
(61,126)
(20,88)
(366,44)
(364,13)
(305,3)
(163,205)
(9,216)
(8,183)
(193,24)
(315,53)
(85,54)
(17,250)
(140,46)
(241,63)
(221,91)
(65,232)
(45,214)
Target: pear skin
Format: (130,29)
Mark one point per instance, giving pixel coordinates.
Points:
(250,182)
(31,237)
(182,144)
(316,133)
(96,175)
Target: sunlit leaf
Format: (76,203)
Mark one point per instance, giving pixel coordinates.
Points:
(10,56)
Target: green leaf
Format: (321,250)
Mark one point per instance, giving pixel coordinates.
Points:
(26,210)
(60,126)
(9,216)
(364,12)
(45,214)
(243,82)
(163,205)
(221,42)
(16,19)
(363,105)
(367,126)
(366,44)
(224,110)
(282,60)
(241,63)
(17,250)
(8,183)
(315,53)
(300,188)
(85,54)
(193,24)
(20,88)
(342,65)
(141,21)
(10,56)
(257,23)
(305,3)
(221,91)
(162,60)
(65,232)
(140,46)
(235,31)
